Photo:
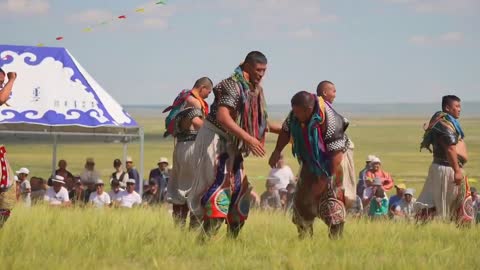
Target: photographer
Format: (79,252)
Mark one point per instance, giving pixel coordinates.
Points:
(6,90)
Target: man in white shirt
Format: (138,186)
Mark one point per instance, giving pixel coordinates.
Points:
(129,197)
(99,198)
(406,206)
(25,187)
(115,190)
(283,173)
(57,195)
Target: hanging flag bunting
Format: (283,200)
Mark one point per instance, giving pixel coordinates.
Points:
(102,23)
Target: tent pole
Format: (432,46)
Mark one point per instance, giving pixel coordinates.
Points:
(54,154)
(124,158)
(141,134)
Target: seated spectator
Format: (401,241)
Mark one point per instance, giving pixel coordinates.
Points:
(254,199)
(77,194)
(357,208)
(133,173)
(152,196)
(57,195)
(115,190)
(376,171)
(99,198)
(270,199)
(39,188)
(378,204)
(161,174)
(63,172)
(129,197)
(476,204)
(362,176)
(119,174)
(89,175)
(69,183)
(283,173)
(369,192)
(89,188)
(395,199)
(283,197)
(406,206)
(25,187)
(290,193)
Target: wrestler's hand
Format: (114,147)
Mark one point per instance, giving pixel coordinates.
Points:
(11,76)
(458,177)
(256,147)
(274,158)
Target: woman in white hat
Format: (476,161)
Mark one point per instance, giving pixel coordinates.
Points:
(57,195)
(25,189)
(376,171)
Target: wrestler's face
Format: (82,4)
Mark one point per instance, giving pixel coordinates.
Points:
(329,92)
(205,92)
(256,72)
(454,109)
(301,113)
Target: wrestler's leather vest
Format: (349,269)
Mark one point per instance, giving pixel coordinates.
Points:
(442,134)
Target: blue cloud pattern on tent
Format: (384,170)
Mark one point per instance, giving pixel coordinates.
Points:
(53,89)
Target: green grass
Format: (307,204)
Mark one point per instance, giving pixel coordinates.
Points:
(46,238)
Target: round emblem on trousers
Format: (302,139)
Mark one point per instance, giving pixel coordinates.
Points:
(468,209)
(332,211)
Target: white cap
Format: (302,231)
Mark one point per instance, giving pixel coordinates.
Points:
(131,181)
(99,182)
(58,179)
(376,160)
(409,191)
(163,160)
(370,158)
(129,159)
(23,170)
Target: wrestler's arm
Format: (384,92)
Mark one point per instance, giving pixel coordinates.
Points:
(282,141)
(336,160)
(197,122)
(225,119)
(452,157)
(7,89)
(274,127)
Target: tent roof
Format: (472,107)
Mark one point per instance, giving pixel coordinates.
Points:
(54,93)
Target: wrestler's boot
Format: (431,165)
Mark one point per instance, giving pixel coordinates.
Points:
(210,227)
(335,231)
(233,230)
(179,214)
(195,223)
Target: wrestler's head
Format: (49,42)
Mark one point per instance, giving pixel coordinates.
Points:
(255,65)
(204,87)
(303,104)
(327,90)
(451,105)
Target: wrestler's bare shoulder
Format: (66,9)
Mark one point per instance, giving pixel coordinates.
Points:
(193,102)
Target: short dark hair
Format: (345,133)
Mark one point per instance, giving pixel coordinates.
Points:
(321,85)
(117,162)
(3,72)
(204,81)
(448,99)
(255,57)
(303,99)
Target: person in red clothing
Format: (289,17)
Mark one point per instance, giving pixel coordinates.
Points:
(376,171)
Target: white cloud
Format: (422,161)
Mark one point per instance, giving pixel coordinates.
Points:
(440,6)
(90,16)
(442,39)
(305,33)
(25,7)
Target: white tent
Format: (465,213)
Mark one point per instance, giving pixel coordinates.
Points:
(55,96)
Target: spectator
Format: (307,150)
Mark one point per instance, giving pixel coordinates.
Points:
(89,176)
(395,199)
(362,176)
(115,190)
(283,197)
(133,174)
(357,208)
(379,203)
(129,197)
(290,192)
(119,174)
(161,174)
(476,204)
(270,199)
(39,188)
(152,196)
(90,188)
(406,206)
(25,187)
(57,195)
(77,194)
(369,192)
(254,199)
(376,171)
(283,173)
(99,198)
(17,188)
(62,171)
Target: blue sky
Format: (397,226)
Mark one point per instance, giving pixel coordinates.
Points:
(374,50)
